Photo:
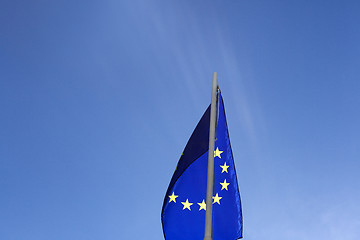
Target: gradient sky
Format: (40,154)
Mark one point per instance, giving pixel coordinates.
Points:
(98,99)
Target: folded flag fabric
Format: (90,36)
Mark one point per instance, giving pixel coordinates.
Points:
(183,211)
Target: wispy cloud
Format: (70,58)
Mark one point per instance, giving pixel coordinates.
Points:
(205,48)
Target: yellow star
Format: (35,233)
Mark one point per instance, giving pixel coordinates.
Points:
(217,199)
(187,204)
(202,205)
(224,168)
(173,197)
(217,153)
(224,185)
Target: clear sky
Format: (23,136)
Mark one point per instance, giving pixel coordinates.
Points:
(98,99)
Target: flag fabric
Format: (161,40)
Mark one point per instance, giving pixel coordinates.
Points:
(183,211)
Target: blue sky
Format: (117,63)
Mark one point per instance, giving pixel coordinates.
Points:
(98,99)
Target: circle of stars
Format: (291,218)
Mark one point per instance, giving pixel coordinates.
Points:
(216,198)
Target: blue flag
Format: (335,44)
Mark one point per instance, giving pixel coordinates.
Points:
(183,211)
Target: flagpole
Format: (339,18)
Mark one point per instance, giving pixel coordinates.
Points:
(210,175)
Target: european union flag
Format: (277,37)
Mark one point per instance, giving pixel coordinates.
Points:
(183,211)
